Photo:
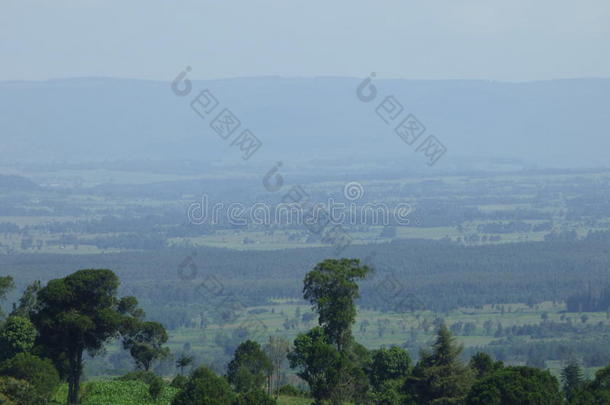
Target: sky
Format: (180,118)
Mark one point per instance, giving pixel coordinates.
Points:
(516,40)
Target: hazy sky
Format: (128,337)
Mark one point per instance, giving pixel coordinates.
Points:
(152,39)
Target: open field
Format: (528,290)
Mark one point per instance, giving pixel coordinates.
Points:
(57,214)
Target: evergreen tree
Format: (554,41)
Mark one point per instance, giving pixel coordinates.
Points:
(440,377)
(572,379)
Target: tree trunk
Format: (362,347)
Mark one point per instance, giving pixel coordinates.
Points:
(76,367)
(269,383)
(278,370)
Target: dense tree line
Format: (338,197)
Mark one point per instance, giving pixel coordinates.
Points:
(442,275)
(44,338)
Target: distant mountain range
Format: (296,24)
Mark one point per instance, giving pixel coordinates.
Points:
(558,123)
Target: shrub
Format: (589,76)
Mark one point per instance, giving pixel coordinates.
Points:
(18,392)
(516,385)
(39,373)
(155,389)
(291,391)
(147,377)
(257,397)
(179,382)
(205,387)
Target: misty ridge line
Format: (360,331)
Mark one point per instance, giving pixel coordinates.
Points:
(541,123)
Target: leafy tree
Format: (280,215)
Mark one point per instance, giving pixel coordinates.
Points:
(389,365)
(184,361)
(516,385)
(205,387)
(572,379)
(17,335)
(77,313)
(440,377)
(327,356)
(331,288)
(249,368)
(39,373)
(145,341)
(389,392)
(332,375)
(316,361)
(482,364)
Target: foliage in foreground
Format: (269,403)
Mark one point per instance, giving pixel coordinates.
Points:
(117,392)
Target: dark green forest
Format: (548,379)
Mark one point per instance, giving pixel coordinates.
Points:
(440,275)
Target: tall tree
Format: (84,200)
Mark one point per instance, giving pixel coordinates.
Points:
(249,368)
(77,313)
(327,356)
(331,288)
(572,379)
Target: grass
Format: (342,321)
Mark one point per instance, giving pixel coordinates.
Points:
(283,400)
(116,393)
